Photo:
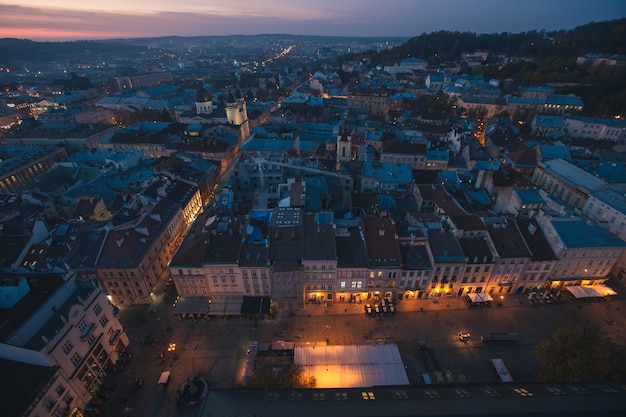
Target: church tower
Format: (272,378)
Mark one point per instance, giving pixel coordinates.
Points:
(232,110)
(204,101)
(237,113)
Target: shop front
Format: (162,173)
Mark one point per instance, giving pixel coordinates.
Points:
(319,298)
(352,297)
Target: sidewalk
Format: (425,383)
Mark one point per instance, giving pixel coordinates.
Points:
(408,305)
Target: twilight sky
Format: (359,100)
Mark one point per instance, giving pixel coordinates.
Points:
(101,19)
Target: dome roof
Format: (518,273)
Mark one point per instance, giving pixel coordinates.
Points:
(203,95)
(238,94)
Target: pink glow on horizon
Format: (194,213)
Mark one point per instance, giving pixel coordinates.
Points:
(54,35)
(90,19)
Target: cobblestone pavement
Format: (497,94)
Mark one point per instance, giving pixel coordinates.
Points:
(216,349)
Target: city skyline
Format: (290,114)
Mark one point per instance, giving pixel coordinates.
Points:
(69,20)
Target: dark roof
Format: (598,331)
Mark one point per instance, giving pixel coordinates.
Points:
(286,235)
(446,202)
(445,247)
(415,257)
(411,400)
(536,240)
(468,222)
(320,242)
(403,147)
(190,252)
(383,250)
(509,177)
(350,244)
(41,286)
(25,383)
(253,255)
(476,250)
(507,238)
(223,242)
(523,157)
(126,246)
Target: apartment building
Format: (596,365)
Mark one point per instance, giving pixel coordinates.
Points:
(566,182)
(375,101)
(479,264)
(543,259)
(352,261)
(23,165)
(134,256)
(449,261)
(607,208)
(417,268)
(384,257)
(586,252)
(286,250)
(319,259)
(404,152)
(221,258)
(512,255)
(64,330)
(596,128)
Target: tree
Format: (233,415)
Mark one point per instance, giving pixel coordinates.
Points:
(278,374)
(580,351)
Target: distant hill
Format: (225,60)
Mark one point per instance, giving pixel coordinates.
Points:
(437,47)
(23,50)
(169,42)
(16,51)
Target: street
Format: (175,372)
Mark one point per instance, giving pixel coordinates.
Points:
(216,348)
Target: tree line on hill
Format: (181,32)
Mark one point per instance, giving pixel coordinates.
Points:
(543,58)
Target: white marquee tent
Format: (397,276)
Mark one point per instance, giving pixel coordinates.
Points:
(352,366)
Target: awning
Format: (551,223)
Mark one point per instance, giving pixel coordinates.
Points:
(590,291)
(192,305)
(255,305)
(479,297)
(225,305)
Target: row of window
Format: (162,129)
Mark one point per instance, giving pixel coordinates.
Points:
(128,292)
(314,266)
(319,287)
(359,284)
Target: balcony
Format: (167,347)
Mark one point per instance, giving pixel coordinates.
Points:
(87,331)
(114,336)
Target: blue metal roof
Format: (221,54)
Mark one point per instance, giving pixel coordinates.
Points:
(578,234)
